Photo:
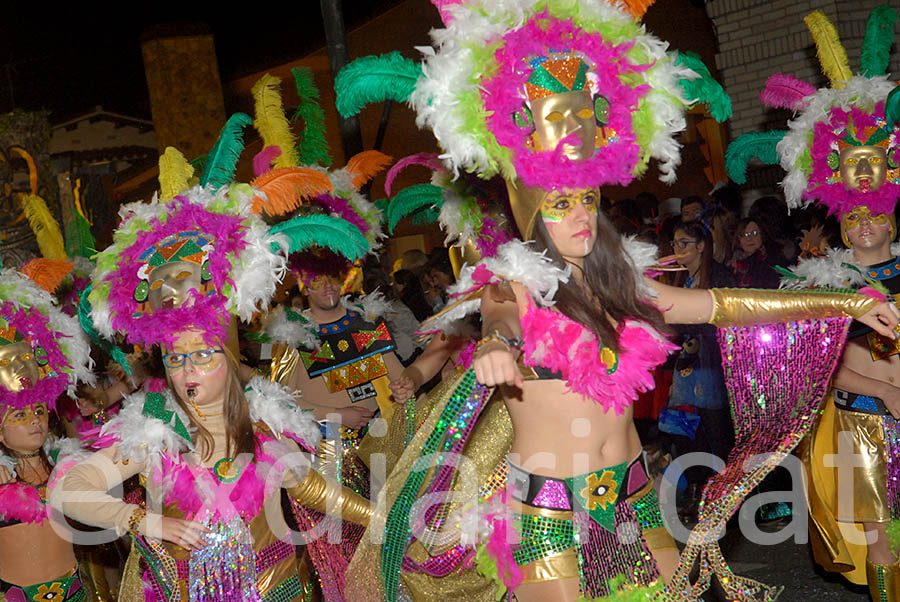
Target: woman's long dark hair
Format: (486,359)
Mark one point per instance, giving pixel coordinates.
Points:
(413,296)
(45,462)
(611,280)
(698,232)
(238,427)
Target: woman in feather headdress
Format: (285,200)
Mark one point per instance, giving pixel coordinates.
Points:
(43,354)
(560,98)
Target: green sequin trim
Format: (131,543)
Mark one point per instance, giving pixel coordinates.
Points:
(285,591)
(646,509)
(542,537)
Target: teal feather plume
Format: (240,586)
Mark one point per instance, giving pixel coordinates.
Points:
(79,239)
(410,200)
(787,274)
(373,79)
(198,163)
(754,144)
(340,236)
(84,318)
(313,147)
(218,169)
(892,107)
(876,48)
(704,89)
(425,216)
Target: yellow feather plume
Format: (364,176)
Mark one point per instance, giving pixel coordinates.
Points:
(45,228)
(270,122)
(832,55)
(175,174)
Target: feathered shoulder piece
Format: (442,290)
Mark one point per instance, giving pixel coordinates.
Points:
(149,424)
(276,407)
(291,327)
(370,307)
(837,269)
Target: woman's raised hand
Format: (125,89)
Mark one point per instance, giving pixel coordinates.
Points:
(495,364)
(883,319)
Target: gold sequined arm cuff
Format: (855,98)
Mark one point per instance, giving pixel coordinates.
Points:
(746,307)
(327,496)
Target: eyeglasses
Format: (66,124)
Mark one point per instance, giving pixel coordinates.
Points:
(200,357)
(749,233)
(683,243)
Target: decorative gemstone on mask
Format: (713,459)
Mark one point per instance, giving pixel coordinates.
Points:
(601,110)
(142,291)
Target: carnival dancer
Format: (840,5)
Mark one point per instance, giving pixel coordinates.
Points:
(43,354)
(560,103)
(840,150)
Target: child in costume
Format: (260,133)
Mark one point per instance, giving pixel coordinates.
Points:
(841,151)
(562,98)
(43,354)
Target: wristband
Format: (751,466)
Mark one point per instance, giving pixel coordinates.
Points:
(499,338)
(135,519)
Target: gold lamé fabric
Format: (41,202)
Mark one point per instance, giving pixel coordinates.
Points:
(486,449)
(747,307)
(884,582)
(836,535)
(284,361)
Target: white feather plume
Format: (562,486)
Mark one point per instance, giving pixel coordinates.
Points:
(832,271)
(295,333)
(9,464)
(277,407)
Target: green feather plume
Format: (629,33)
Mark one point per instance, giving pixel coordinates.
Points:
(375,79)
(876,48)
(754,144)
(340,236)
(79,239)
(84,318)
(198,163)
(313,147)
(705,89)
(787,274)
(220,163)
(892,107)
(425,216)
(410,200)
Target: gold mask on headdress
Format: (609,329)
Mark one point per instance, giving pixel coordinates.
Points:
(18,366)
(558,116)
(863,168)
(171,283)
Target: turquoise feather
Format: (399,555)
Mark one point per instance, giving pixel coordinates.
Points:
(84,318)
(704,89)
(876,48)
(313,147)
(892,107)
(754,144)
(410,200)
(373,79)
(307,231)
(218,169)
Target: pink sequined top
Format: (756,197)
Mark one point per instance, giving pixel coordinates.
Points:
(558,343)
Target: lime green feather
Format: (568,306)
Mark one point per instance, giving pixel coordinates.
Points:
(410,200)
(220,163)
(373,79)
(487,568)
(876,49)
(704,89)
(79,239)
(313,147)
(307,231)
(754,144)
(620,592)
(893,533)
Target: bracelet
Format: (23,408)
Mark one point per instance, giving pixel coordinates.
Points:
(135,519)
(498,338)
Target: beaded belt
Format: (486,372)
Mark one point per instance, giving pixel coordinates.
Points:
(64,589)
(616,483)
(854,402)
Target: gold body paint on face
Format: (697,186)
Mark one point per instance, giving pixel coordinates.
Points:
(863,168)
(853,219)
(318,282)
(558,206)
(560,115)
(18,367)
(171,283)
(24,416)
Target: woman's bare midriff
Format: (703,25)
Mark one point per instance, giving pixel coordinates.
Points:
(33,553)
(858,358)
(561,434)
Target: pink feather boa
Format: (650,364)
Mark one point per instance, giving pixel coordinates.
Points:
(503,94)
(560,344)
(21,502)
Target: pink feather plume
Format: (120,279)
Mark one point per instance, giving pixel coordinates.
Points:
(263,160)
(429,160)
(786,92)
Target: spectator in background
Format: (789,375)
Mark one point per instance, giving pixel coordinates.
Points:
(414,260)
(725,204)
(437,277)
(754,256)
(400,319)
(625,216)
(409,290)
(692,209)
(772,215)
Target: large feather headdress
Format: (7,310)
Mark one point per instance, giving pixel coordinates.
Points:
(474,87)
(862,109)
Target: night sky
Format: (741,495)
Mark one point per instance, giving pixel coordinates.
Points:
(68,60)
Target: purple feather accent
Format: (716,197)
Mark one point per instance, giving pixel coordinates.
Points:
(786,92)
(342,208)
(262,162)
(429,160)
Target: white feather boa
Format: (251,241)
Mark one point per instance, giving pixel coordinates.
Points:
(831,271)
(305,333)
(9,464)
(277,407)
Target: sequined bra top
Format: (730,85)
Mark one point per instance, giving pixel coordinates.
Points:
(613,380)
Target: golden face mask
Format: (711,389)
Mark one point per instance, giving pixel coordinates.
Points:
(18,366)
(854,218)
(171,283)
(24,416)
(317,283)
(863,168)
(558,116)
(559,205)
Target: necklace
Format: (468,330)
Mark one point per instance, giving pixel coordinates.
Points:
(203,415)
(22,456)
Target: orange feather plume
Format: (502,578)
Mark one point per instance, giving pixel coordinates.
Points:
(287,187)
(48,273)
(635,8)
(364,166)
